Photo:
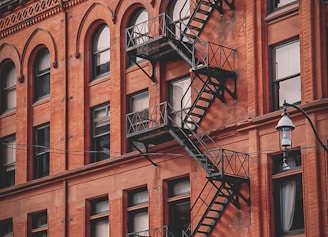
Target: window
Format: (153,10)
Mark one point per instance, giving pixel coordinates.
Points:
(139,104)
(101,51)
(99,221)
(286,74)
(42,75)
(179,11)
(100,133)
(276,4)
(39,224)
(180,99)
(138,210)
(179,205)
(8,150)
(6,228)
(8,87)
(288,197)
(41,151)
(140,31)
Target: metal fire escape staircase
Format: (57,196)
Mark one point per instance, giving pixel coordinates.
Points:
(162,39)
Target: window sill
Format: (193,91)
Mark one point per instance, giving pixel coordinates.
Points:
(8,113)
(99,80)
(41,101)
(143,63)
(282,13)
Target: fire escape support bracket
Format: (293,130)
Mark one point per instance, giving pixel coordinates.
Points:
(152,77)
(218,5)
(146,155)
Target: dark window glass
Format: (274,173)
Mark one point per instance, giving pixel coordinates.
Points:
(8,161)
(277,4)
(6,228)
(42,75)
(286,75)
(101,51)
(138,219)
(288,194)
(100,133)
(99,216)
(39,224)
(8,87)
(179,205)
(41,151)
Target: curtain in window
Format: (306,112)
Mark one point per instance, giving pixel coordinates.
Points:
(101,228)
(287,200)
(140,221)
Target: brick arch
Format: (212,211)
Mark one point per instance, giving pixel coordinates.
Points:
(89,19)
(9,51)
(39,37)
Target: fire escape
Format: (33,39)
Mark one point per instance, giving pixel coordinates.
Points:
(163,39)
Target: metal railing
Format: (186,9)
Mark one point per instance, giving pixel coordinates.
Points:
(154,232)
(147,119)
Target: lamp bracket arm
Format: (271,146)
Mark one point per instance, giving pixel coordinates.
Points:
(325,147)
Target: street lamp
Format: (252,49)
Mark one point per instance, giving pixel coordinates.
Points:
(285,127)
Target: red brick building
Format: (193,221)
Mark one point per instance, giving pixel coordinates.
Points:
(157,118)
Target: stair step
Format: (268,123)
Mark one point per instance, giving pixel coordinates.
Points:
(203,11)
(203,232)
(201,107)
(190,36)
(210,217)
(195,27)
(205,99)
(208,225)
(207,3)
(197,115)
(199,19)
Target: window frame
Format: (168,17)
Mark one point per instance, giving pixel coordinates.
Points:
(38,172)
(132,60)
(175,199)
(275,82)
(144,111)
(36,229)
(7,178)
(43,74)
(95,53)
(95,217)
(95,138)
(280,174)
(272,8)
(134,208)
(5,70)
(7,227)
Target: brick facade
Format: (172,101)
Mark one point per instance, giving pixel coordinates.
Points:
(246,125)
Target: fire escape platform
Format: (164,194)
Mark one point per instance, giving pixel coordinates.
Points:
(155,50)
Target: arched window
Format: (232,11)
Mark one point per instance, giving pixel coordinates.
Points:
(101,52)
(8,87)
(42,75)
(179,11)
(139,20)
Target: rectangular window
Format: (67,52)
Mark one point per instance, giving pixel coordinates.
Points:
(99,217)
(179,205)
(138,211)
(41,151)
(100,133)
(38,224)
(180,99)
(277,4)
(6,228)
(286,76)
(8,161)
(288,196)
(139,106)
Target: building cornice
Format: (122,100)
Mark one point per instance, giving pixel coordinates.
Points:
(32,13)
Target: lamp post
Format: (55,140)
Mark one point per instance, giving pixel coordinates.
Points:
(285,127)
